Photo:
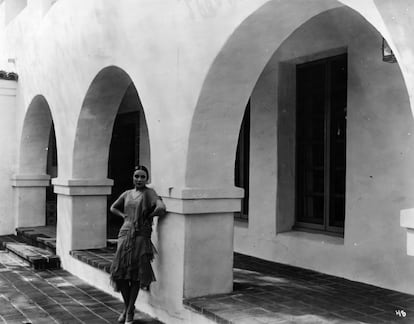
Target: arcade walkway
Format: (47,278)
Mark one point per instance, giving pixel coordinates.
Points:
(271,293)
(53,296)
(264,293)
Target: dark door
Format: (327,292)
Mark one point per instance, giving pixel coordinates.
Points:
(123,156)
(51,169)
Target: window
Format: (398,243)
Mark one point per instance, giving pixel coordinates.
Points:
(321,90)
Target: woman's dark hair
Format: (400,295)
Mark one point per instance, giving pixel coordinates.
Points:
(142,168)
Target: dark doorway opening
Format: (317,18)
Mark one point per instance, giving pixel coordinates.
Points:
(52,170)
(123,157)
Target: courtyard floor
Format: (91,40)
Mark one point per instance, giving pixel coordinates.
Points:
(272,293)
(264,293)
(53,296)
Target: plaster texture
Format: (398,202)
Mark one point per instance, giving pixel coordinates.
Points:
(84,224)
(379,159)
(175,84)
(208,240)
(194,65)
(8,146)
(30,199)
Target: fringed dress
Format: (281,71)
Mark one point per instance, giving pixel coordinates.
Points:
(135,250)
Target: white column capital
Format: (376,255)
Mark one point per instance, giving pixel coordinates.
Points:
(407,218)
(202,200)
(30,180)
(407,221)
(8,88)
(82,187)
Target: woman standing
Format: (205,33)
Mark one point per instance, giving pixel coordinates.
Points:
(131,267)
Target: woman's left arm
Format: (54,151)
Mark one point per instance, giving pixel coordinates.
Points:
(160,209)
(157,205)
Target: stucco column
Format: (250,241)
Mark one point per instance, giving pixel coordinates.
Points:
(30,199)
(7,156)
(81,205)
(200,236)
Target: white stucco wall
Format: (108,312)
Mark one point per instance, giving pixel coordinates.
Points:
(380,156)
(166,48)
(176,52)
(7,146)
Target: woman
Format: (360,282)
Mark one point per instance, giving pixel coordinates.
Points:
(131,268)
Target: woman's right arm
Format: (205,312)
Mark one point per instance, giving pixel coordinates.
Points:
(117,206)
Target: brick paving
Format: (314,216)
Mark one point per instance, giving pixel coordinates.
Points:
(268,292)
(41,236)
(97,258)
(53,296)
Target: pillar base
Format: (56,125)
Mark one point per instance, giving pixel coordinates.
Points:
(82,205)
(205,218)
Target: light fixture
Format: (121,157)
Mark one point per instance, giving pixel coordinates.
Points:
(387,53)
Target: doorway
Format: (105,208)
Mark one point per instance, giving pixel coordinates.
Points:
(123,157)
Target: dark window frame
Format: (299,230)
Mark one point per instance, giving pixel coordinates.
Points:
(333,115)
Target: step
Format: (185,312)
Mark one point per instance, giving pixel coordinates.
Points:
(47,242)
(97,258)
(37,237)
(37,257)
(8,239)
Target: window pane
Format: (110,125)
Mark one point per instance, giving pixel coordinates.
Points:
(313,210)
(321,142)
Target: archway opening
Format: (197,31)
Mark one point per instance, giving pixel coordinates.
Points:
(359,109)
(37,203)
(242,166)
(326,112)
(129,147)
(52,171)
(109,108)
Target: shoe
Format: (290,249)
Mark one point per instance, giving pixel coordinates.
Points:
(129,318)
(122,317)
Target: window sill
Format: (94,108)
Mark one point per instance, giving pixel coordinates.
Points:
(314,237)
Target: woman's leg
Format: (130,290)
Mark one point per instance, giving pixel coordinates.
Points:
(125,288)
(133,294)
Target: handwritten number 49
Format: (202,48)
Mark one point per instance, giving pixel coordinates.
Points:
(400,313)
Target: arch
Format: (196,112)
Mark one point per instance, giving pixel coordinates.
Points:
(35,137)
(96,120)
(230,81)
(32,181)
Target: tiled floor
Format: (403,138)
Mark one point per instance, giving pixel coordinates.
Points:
(267,292)
(53,296)
(264,292)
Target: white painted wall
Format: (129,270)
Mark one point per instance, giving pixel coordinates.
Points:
(380,156)
(7,156)
(168,48)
